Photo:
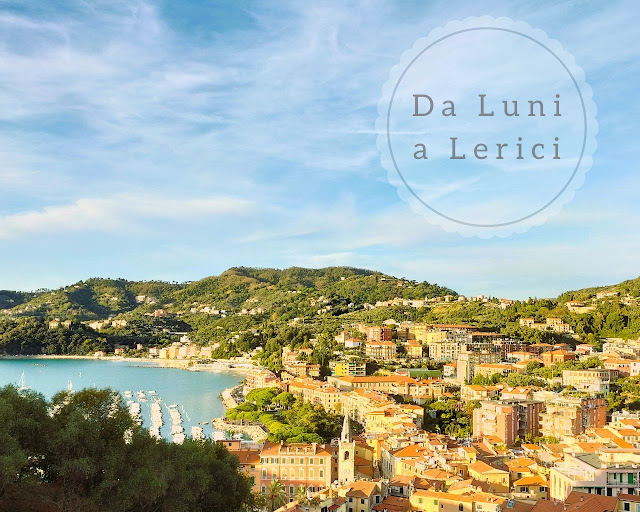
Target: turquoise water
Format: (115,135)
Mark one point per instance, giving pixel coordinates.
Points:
(196,392)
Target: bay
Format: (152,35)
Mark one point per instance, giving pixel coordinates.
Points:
(195,393)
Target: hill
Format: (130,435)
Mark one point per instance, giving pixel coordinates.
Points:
(299,291)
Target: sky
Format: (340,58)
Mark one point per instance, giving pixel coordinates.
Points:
(173,140)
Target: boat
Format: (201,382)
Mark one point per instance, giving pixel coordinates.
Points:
(179,438)
(21,384)
(219,436)
(197,432)
(128,394)
(70,387)
(152,392)
(141,396)
(203,423)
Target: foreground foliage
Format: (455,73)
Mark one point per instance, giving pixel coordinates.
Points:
(82,451)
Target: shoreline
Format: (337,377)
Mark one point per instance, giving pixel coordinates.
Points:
(217,366)
(255,432)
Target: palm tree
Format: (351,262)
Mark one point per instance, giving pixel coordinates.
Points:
(276,496)
(301,495)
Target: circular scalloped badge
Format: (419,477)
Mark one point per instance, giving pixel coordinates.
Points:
(486,127)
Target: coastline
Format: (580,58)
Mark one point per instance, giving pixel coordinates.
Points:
(218,365)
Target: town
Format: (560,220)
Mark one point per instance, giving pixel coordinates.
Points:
(538,434)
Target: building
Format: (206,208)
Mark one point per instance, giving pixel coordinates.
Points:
(567,416)
(379,333)
(557,356)
(587,472)
(353,367)
(296,464)
(303,369)
(381,350)
(414,349)
(260,378)
(469,358)
(507,419)
(622,366)
(592,380)
(346,454)
(550,324)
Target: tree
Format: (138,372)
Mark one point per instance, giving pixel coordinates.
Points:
(301,494)
(89,454)
(276,496)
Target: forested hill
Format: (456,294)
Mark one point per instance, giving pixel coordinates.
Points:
(630,289)
(298,289)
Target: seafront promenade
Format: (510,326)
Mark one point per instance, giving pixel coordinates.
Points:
(228,396)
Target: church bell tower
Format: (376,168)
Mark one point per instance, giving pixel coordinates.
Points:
(347,454)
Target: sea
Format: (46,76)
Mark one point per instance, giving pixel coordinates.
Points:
(197,394)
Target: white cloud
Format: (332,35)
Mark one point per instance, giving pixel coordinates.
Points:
(123,213)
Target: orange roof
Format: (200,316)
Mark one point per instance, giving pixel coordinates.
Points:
(531,480)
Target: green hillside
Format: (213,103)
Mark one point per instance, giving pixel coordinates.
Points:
(285,293)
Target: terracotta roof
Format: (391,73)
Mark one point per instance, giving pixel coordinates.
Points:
(394,504)
(530,480)
(483,467)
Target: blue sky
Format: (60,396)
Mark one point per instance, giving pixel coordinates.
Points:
(157,140)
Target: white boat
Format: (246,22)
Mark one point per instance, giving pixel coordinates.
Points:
(21,384)
(128,394)
(197,432)
(219,436)
(179,438)
(141,396)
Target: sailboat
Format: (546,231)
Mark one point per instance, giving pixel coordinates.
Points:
(21,384)
(70,387)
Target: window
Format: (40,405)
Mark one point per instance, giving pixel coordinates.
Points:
(293,460)
(264,473)
(302,474)
(311,473)
(311,461)
(291,490)
(460,507)
(320,460)
(264,489)
(321,473)
(626,507)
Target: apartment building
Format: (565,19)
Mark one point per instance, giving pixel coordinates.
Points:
(588,472)
(260,378)
(622,366)
(379,333)
(567,416)
(550,324)
(296,464)
(470,357)
(354,367)
(507,419)
(415,350)
(381,350)
(592,380)
(303,369)
(557,356)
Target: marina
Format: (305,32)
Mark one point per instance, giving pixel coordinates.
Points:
(170,402)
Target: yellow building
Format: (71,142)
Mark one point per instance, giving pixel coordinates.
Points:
(496,478)
(434,501)
(352,367)
(381,350)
